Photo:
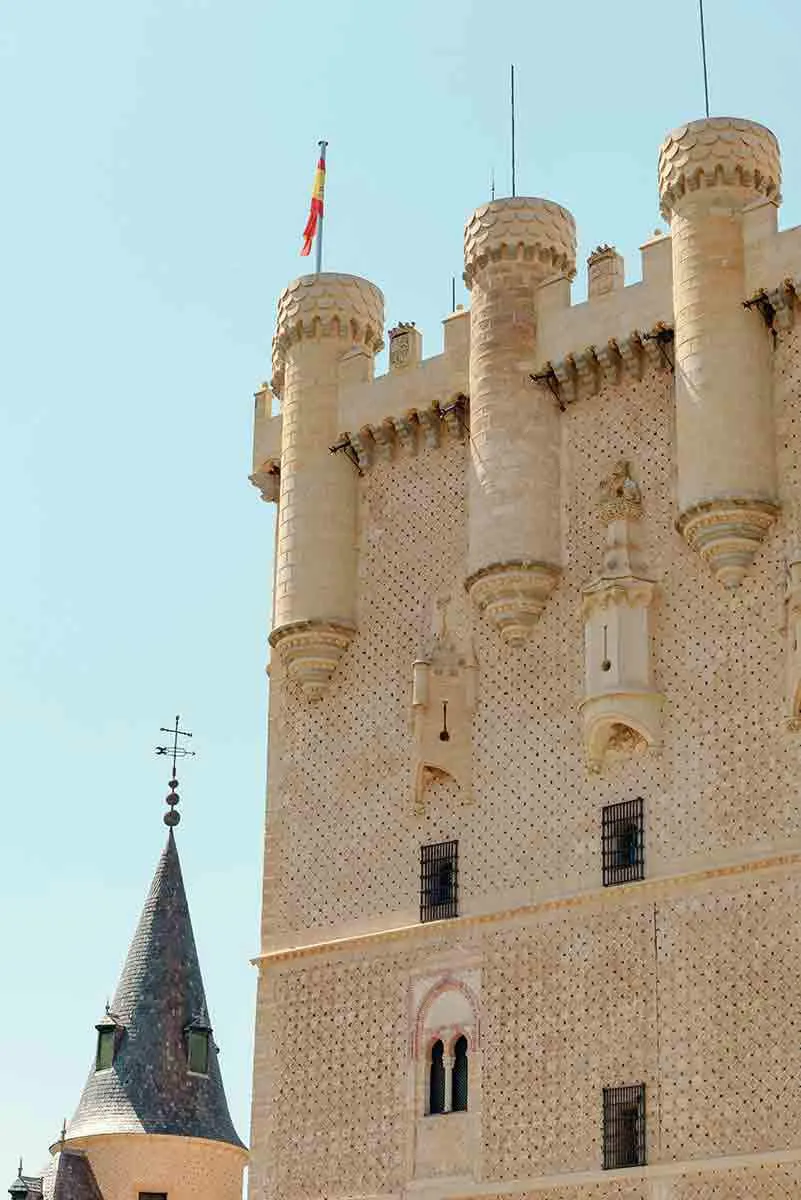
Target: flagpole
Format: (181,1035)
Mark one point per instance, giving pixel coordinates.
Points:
(513,131)
(319,265)
(703,55)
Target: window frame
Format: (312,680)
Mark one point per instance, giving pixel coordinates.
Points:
(434,858)
(617,821)
(618,1101)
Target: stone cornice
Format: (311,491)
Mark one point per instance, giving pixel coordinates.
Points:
(654,888)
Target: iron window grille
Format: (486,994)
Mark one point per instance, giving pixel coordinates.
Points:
(624,1126)
(439,881)
(623,842)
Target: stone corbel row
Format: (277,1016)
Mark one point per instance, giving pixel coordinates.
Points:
(417,428)
(584,372)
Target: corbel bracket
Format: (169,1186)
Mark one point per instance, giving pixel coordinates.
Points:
(664,336)
(762,303)
(345,445)
(551,381)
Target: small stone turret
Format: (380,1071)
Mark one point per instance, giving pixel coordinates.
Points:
(710,171)
(322,320)
(512,248)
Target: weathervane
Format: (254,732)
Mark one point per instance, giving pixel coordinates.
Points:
(177,751)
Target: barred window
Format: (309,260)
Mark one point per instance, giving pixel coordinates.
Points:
(624,1126)
(623,842)
(439,880)
(436,1079)
(459,1082)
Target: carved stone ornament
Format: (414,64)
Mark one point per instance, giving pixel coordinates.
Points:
(312,651)
(443,702)
(513,596)
(399,349)
(621,709)
(728,534)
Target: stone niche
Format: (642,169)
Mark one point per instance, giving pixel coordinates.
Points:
(621,709)
(444,681)
(445,1007)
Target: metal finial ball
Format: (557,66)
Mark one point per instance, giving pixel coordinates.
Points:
(172,798)
(173,783)
(172,818)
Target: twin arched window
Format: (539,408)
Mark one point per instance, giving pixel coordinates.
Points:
(447,1078)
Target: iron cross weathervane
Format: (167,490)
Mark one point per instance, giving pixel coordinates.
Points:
(177,751)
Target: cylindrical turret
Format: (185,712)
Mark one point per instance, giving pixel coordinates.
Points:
(512,247)
(321,319)
(709,172)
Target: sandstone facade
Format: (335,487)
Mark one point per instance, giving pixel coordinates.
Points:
(577,530)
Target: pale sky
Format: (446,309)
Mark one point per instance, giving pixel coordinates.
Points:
(157,161)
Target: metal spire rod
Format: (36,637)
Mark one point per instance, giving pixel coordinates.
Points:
(703,55)
(514,191)
(319,265)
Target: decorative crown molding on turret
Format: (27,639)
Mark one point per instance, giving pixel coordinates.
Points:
(327,305)
(718,151)
(526,227)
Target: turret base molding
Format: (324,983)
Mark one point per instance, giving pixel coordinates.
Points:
(513,596)
(311,651)
(728,534)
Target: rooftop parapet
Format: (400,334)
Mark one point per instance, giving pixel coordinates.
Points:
(715,152)
(327,305)
(521,226)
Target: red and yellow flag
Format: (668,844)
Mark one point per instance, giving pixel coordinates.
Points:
(316,210)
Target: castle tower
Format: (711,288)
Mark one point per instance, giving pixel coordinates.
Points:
(512,248)
(324,322)
(529,921)
(710,172)
(153,1119)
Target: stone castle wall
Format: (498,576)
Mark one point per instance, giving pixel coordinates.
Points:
(686,982)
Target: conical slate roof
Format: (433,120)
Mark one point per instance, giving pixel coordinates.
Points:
(148,1089)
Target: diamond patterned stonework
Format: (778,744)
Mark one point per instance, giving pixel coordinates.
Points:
(600,504)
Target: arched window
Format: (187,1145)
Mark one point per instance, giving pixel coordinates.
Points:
(460,1075)
(436,1079)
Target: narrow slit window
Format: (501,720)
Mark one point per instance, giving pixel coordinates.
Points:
(624,1127)
(623,842)
(439,881)
(460,1075)
(152,1196)
(436,1079)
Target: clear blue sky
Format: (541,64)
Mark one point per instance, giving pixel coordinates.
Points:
(157,163)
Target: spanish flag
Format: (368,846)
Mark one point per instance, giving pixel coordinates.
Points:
(316,210)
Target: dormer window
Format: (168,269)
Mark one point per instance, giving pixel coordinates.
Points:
(198,1046)
(108,1035)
